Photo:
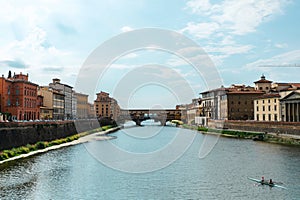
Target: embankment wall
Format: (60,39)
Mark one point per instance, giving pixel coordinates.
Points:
(15,134)
(292,128)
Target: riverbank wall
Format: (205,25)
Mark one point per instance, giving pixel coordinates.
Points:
(16,134)
(290,128)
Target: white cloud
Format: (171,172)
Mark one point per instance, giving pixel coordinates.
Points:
(288,59)
(126,29)
(201,30)
(227,20)
(199,6)
(229,49)
(175,62)
(238,17)
(281,45)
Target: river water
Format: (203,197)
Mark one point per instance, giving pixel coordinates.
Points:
(76,172)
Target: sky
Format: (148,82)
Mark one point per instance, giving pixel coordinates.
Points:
(244,39)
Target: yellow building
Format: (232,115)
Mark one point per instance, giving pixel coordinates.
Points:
(82,106)
(46,110)
(267,107)
(106,106)
(102,105)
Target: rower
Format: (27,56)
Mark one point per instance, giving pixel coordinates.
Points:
(271,182)
(262,180)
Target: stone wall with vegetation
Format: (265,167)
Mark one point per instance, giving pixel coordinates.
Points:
(20,134)
(269,127)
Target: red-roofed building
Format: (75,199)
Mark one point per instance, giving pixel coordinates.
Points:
(19,99)
(232,103)
(263,84)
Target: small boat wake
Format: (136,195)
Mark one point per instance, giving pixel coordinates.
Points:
(274,184)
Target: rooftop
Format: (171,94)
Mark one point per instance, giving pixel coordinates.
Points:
(263,80)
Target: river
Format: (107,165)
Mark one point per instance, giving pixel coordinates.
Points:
(76,172)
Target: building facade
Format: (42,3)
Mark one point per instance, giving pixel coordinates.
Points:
(115,109)
(91,111)
(231,103)
(102,105)
(82,106)
(290,107)
(105,106)
(267,107)
(19,98)
(211,103)
(67,91)
(240,104)
(74,105)
(58,105)
(46,109)
(263,84)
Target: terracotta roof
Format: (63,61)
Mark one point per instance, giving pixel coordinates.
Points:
(295,84)
(263,81)
(213,90)
(269,95)
(246,92)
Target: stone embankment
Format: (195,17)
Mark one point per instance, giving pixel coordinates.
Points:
(278,128)
(94,136)
(275,132)
(16,134)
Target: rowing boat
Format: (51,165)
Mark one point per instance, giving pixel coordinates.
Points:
(267,183)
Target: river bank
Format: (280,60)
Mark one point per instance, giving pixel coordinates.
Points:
(285,139)
(42,147)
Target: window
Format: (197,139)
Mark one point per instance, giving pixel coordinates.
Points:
(269,108)
(269,101)
(275,117)
(260,88)
(17,102)
(274,100)
(257,102)
(239,102)
(263,101)
(257,108)
(264,117)
(257,117)
(8,102)
(263,108)
(275,107)
(269,117)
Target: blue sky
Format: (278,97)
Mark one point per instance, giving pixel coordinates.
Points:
(244,39)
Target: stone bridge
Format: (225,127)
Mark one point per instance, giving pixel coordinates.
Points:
(139,115)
